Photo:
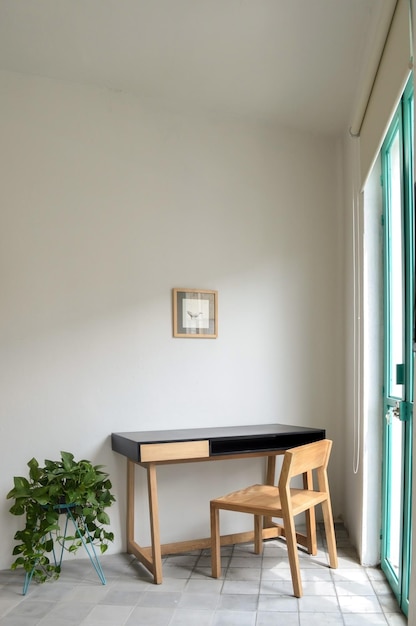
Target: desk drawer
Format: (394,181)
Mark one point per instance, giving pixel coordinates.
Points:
(151,452)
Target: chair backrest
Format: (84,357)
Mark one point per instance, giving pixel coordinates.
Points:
(305,459)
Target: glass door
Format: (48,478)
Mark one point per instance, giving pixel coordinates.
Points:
(397,164)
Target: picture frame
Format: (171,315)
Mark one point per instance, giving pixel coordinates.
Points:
(195,313)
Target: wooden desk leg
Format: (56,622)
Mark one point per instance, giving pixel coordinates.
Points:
(271,470)
(150,557)
(270,480)
(154,522)
(130,505)
(268,523)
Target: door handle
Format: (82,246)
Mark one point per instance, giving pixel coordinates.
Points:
(402,410)
(393,411)
(396,410)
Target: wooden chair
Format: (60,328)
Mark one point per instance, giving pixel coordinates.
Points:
(284,502)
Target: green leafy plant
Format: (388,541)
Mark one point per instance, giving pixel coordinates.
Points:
(42,497)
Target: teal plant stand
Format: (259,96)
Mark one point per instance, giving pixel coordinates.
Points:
(88,545)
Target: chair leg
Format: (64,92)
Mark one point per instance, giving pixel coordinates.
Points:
(215,542)
(310,519)
(258,534)
(330,534)
(292,549)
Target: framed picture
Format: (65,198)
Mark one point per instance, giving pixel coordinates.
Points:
(195,313)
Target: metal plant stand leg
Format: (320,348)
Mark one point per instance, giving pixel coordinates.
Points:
(88,545)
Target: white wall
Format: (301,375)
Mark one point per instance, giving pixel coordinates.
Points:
(106,204)
(353,399)
(363,353)
(372,431)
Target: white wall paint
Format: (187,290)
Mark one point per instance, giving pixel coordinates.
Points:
(363,352)
(372,431)
(353,469)
(106,204)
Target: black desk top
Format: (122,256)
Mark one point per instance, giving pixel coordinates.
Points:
(222,440)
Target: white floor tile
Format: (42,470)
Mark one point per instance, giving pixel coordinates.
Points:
(254,590)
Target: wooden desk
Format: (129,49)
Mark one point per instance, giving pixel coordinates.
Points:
(149,449)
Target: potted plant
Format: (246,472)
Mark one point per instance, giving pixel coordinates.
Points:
(77,488)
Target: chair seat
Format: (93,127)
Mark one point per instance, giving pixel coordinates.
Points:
(265,500)
(264,497)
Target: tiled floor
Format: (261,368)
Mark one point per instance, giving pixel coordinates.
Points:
(254,591)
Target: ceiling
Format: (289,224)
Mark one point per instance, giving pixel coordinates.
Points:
(296,62)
